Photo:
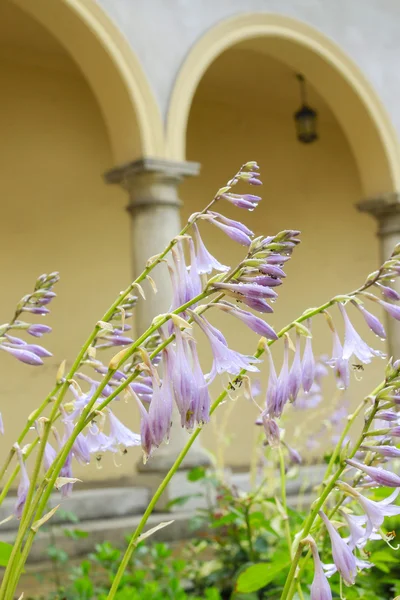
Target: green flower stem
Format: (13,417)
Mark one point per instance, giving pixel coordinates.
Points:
(288,591)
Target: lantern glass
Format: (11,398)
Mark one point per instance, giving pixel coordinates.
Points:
(306,124)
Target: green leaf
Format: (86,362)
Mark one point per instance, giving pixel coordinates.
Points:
(5,553)
(196,473)
(257,576)
(181,500)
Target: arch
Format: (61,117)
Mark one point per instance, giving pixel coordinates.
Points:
(112,70)
(336,78)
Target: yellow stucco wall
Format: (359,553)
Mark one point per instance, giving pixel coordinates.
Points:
(57,214)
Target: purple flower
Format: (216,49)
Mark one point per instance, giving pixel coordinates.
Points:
(270,399)
(66,471)
(388,292)
(1,425)
(339,364)
(353,344)
(265,280)
(23,355)
(372,321)
(116,340)
(120,434)
(295,374)
(272,430)
(388,415)
(377,474)
(258,304)
(308,364)
(233,229)
(249,290)
(254,323)
(98,442)
(320,589)
(282,391)
(272,270)
(181,375)
(34,348)
(377,511)
(355,524)
(23,486)
(38,330)
(225,359)
(205,261)
(156,422)
(384,450)
(343,557)
(294,455)
(201,410)
(392,309)
(49,456)
(247,201)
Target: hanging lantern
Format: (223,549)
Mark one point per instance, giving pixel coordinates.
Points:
(306,117)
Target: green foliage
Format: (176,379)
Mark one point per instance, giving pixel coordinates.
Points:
(5,553)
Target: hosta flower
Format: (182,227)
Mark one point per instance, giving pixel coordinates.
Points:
(384,450)
(282,390)
(376,512)
(270,399)
(356,527)
(372,321)
(98,442)
(343,556)
(308,365)
(181,374)
(247,201)
(233,229)
(320,589)
(120,434)
(339,364)
(271,428)
(225,359)
(295,373)
(377,474)
(248,290)
(1,425)
(354,344)
(388,292)
(206,262)
(200,407)
(23,355)
(24,483)
(392,309)
(254,323)
(37,330)
(48,456)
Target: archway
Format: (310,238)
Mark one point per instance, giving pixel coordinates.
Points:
(336,78)
(234,101)
(108,63)
(61,130)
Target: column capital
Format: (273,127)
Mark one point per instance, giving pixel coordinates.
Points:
(152,181)
(386,210)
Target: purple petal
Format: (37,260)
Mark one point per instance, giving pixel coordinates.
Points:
(372,321)
(381,476)
(24,356)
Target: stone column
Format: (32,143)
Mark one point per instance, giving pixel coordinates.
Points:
(154,206)
(386,210)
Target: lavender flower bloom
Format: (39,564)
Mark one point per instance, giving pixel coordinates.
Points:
(372,321)
(98,442)
(339,364)
(392,309)
(34,348)
(206,262)
(156,422)
(66,471)
(29,358)
(225,360)
(353,344)
(320,589)
(377,511)
(343,557)
(295,374)
(249,290)
(23,486)
(181,375)
(308,365)
(117,340)
(201,411)
(232,223)
(265,280)
(384,450)
(282,391)
(270,399)
(247,201)
(38,330)
(235,233)
(355,524)
(272,270)
(1,425)
(272,431)
(49,456)
(121,435)
(388,292)
(258,304)
(294,455)
(380,476)
(254,323)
